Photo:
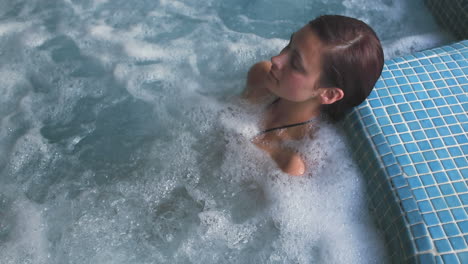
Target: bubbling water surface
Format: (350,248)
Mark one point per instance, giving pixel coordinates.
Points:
(121,143)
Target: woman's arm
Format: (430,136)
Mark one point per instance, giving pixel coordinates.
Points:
(255,88)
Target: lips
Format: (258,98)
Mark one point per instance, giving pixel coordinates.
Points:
(273,76)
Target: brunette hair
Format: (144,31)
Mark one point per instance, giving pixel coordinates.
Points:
(352,61)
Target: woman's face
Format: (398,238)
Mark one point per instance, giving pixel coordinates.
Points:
(295,71)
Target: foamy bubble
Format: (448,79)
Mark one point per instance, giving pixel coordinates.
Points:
(28,240)
(13,27)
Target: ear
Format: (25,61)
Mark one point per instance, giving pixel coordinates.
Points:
(330,95)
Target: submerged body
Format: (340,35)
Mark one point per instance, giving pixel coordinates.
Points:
(326,68)
(288,160)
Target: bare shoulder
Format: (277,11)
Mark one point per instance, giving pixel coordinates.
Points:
(255,87)
(294,165)
(289,161)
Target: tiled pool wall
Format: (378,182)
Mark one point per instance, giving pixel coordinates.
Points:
(410,140)
(451,14)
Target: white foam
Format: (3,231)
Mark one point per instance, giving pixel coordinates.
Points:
(13,27)
(411,44)
(29,240)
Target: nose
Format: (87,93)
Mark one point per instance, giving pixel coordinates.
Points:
(277,61)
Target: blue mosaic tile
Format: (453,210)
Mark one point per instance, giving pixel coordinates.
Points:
(453,201)
(463,257)
(443,246)
(450,258)
(458,243)
(459,214)
(416,122)
(437,232)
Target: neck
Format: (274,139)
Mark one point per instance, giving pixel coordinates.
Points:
(286,112)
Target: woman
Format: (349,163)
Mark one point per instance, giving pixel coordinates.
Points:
(329,66)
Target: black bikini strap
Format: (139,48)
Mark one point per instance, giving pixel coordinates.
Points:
(287,126)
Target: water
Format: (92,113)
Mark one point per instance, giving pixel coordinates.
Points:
(122,140)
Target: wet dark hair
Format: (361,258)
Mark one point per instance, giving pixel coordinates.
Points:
(352,61)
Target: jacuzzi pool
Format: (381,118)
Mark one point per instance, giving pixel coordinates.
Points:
(122,140)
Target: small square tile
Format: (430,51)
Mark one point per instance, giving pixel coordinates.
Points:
(414,182)
(404,193)
(463,226)
(442,245)
(463,257)
(439,203)
(429,85)
(406,137)
(429,155)
(449,141)
(438,121)
(422,95)
(384,149)
(454,175)
(403,160)
(420,194)
(439,101)
(418,230)
(423,243)
(425,123)
(441,177)
(461,139)
(461,162)
(464,173)
(433,112)
(445,110)
(427,179)
(436,232)
(383,120)
(450,258)
(448,164)
(452,201)
(393,170)
(465,148)
(431,133)
(424,145)
(414,217)
(425,206)
(450,119)
(464,198)
(386,74)
(425,77)
(455,151)
(433,191)
(422,258)
(443,131)
(409,205)
(445,216)
(421,114)
(416,105)
(450,229)
(409,170)
(460,187)
(431,219)
(411,147)
(458,243)
(435,166)
(459,214)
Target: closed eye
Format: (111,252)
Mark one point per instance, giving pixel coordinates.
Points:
(296,61)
